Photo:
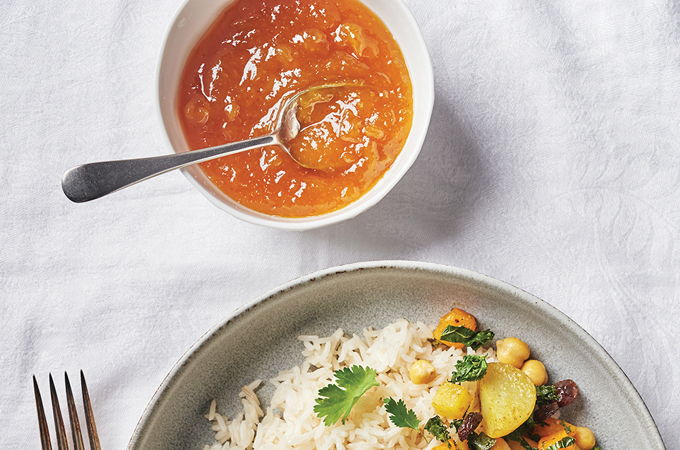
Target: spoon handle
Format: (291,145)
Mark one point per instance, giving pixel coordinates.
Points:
(95,180)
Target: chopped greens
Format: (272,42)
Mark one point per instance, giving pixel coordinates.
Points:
(335,401)
(470,368)
(562,443)
(436,427)
(466,336)
(400,415)
(480,441)
(546,394)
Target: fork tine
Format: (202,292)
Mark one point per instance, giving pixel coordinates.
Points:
(89,415)
(42,421)
(62,443)
(73,416)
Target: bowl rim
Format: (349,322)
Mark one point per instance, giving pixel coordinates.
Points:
(391,177)
(151,410)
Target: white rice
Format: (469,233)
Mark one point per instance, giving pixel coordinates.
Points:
(290,421)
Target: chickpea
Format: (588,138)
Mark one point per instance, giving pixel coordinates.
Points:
(535,370)
(421,372)
(585,439)
(512,351)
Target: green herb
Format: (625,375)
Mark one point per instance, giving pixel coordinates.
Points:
(437,428)
(466,336)
(480,441)
(562,443)
(400,415)
(456,423)
(335,401)
(546,394)
(470,368)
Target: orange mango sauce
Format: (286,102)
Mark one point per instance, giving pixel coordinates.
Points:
(259,53)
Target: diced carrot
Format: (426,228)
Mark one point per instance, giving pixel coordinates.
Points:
(547,441)
(552,426)
(452,445)
(514,445)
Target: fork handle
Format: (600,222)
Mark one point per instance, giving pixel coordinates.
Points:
(92,181)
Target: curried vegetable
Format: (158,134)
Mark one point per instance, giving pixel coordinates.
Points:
(557,441)
(400,415)
(507,397)
(470,368)
(552,426)
(524,444)
(335,401)
(452,445)
(455,318)
(451,400)
(503,405)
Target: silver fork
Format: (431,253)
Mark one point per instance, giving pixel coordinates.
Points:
(62,441)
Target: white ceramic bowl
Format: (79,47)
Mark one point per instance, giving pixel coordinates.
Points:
(190,24)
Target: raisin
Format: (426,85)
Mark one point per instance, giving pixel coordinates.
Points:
(545,411)
(567,391)
(470,422)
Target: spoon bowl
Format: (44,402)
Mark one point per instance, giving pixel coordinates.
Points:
(94,180)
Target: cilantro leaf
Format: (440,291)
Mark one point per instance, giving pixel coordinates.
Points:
(437,428)
(335,401)
(470,368)
(480,441)
(400,415)
(546,394)
(466,336)
(562,443)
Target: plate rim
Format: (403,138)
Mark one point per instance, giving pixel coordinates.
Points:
(150,410)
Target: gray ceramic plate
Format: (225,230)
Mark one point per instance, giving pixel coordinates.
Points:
(359,295)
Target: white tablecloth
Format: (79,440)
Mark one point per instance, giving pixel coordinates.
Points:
(552,163)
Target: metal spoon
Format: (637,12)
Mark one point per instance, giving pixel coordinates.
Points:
(92,181)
